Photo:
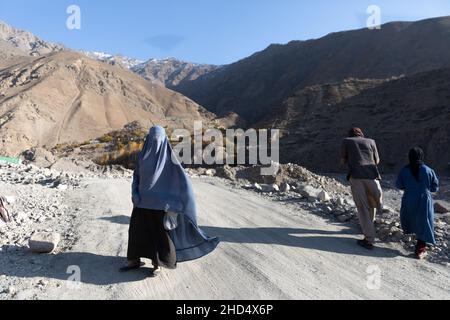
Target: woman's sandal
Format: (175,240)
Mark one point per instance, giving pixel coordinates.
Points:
(134,267)
(155,272)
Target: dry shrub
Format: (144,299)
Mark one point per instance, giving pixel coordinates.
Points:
(125,155)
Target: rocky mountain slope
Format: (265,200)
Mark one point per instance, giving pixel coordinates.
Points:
(172,72)
(166,72)
(398,113)
(259,84)
(67,97)
(19,42)
(119,60)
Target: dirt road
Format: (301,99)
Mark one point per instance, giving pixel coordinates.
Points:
(269,250)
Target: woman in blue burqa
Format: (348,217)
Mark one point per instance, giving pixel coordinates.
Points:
(163,224)
(417,213)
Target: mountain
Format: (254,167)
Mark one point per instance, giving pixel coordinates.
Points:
(67,97)
(172,72)
(399,113)
(15,42)
(260,83)
(8,52)
(166,72)
(119,60)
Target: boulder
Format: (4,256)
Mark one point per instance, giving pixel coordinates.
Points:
(340,202)
(256,186)
(388,210)
(43,242)
(324,197)
(384,233)
(441,207)
(254,174)
(285,187)
(446,218)
(275,188)
(10,199)
(270,188)
(396,233)
(225,172)
(309,192)
(62,187)
(344,217)
(21,217)
(350,202)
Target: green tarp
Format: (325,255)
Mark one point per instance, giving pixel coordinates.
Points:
(10,160)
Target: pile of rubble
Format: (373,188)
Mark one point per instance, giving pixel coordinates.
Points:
(34,210)
(31,175)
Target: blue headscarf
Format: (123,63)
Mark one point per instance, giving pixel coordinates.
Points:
(160,183)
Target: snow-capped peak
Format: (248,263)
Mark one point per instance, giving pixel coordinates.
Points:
(113,59)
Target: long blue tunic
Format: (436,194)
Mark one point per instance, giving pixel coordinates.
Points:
(417,213)
(160,183)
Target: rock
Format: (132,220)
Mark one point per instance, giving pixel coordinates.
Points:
(225,172)
(384,233)
(10,199)
(344,217)
(350,202)
(210,172)
(270,188)
(29,155)
(446,218)
(441,208)
(41,283)
(340,202)
(257,187)
(29,180)
(11,291)
(397,234)
(408,238)
(339,211)
(328,209)
(21,217)
(285,187)
(308,191)
(42,242)
(62,187)
(388,210)
(324,197)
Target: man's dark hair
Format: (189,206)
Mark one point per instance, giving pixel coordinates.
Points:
(355,132)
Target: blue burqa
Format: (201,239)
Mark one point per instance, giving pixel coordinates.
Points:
(160,183)
(417,213)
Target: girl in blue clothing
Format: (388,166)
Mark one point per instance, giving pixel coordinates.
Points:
(417,213)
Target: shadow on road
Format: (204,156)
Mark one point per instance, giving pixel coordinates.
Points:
(94,269)
(321,240)
(117,219)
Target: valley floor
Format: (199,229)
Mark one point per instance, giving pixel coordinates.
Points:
(270,250)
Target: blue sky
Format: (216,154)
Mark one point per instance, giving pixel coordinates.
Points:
(204,31)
